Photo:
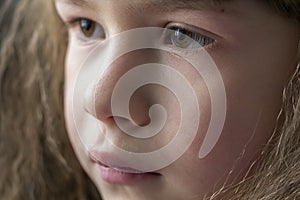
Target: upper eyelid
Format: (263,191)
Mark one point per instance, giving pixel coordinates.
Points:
(74,21)
(76,33)
(193,29)
(70,19)
(70,12)
(163,38)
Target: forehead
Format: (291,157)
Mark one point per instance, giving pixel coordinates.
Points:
(154,4)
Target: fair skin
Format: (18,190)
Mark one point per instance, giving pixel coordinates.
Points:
(255,51)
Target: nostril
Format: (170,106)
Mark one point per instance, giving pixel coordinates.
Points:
(130,122)
(109,121)
(139,117)
(143,127)
(139,110)
(143,121)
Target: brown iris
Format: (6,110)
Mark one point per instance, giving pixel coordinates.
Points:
(87,27)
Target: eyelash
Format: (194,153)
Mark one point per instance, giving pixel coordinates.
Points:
(75,24)
(201,39)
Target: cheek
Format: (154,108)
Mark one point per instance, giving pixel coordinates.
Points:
(255,70)
(70,123)
(75,57)
(254,84)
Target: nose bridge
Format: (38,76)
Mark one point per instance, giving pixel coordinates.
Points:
(108,80)
(106,84)
(123,16)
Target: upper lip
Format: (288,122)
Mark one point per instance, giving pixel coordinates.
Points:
(111,161)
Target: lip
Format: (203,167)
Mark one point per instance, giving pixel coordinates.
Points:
(117,174)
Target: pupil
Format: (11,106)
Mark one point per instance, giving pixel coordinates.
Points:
(86,24)
(180,34)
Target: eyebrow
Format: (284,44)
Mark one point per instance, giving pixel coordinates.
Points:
(188,4)
(164,5)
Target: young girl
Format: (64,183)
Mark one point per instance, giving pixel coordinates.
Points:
(255,47)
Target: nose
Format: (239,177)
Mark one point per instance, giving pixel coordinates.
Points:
(139,103)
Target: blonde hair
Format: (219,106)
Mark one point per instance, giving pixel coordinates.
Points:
(36,158)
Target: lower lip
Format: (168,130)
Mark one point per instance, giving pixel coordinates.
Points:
(115,176)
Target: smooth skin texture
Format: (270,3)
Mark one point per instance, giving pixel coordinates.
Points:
(255,51)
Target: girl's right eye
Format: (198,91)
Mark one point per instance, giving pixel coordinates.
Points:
(88,29)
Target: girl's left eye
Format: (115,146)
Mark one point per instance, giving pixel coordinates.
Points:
(88,29)
(185,39)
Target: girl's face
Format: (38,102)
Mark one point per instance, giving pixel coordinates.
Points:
(255,52)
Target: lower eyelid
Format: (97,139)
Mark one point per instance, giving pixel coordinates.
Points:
(80,39)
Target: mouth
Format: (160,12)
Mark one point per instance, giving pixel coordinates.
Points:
(116,174)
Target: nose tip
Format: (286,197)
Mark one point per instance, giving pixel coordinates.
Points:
(97,103)
(98,96)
